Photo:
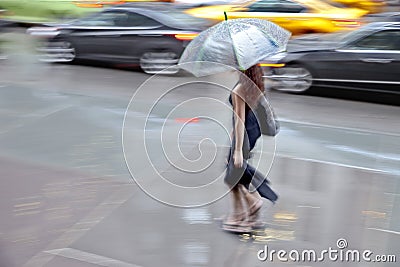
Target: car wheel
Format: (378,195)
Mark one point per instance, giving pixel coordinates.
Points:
(58,51)
(292,78)
(154,62)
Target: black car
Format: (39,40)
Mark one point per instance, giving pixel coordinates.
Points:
(150,35)
(383,17)
(365,59)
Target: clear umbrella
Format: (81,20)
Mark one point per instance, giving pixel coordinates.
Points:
(238,43)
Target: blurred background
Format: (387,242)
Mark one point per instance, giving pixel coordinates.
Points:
(68,70)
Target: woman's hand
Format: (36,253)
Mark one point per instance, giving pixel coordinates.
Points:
(238,158)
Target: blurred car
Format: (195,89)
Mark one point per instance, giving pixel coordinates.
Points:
(200,3)
(148,35)
(108,3)
(393,2)
(297,16)
(384,17)
(38,11)
(365,59)
(372,6)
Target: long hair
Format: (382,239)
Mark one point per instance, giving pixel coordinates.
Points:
(255,74)
(252,79)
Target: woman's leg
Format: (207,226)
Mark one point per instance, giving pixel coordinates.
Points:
(231,179)
(253,200)
(237,200)
(238,214)
(254,204)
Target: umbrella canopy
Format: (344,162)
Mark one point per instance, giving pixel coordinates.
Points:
(238,43)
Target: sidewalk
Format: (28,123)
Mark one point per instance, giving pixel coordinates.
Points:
(318,205)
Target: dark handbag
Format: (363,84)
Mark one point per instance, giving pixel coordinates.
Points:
(233,175)
(269,125)
(261,184)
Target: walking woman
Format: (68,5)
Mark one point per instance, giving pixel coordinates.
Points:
(246,206)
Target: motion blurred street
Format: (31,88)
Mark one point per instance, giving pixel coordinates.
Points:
(68,199)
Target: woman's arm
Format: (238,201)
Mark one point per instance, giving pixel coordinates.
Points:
(239,109)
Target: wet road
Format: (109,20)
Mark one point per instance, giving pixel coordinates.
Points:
(68,199)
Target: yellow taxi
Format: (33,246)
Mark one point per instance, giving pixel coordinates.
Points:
(297,16)
(372,6)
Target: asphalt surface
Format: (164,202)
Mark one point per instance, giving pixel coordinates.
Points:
(68,198)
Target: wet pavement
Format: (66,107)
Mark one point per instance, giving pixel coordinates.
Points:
(68,199)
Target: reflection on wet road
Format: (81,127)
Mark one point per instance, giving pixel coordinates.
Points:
(356,148)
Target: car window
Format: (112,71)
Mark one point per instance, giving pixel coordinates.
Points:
(281,6)
(138,20)
(383,40)
(177,19)
(117,19)
(101,19)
